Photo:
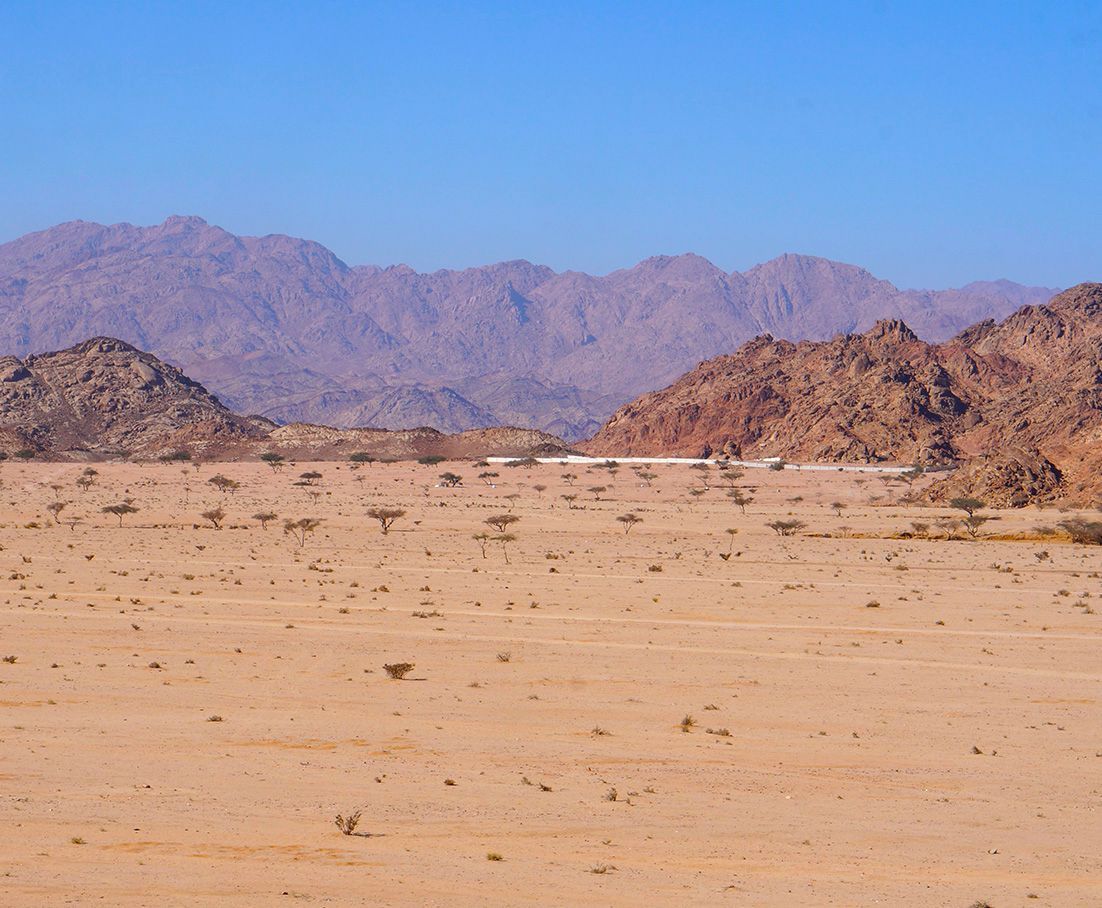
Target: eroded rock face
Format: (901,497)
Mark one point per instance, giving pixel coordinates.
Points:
(1003,479)
(1031,385)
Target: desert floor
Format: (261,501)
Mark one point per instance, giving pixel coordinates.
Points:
(837,684)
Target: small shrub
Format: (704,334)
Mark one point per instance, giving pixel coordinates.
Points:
(398,670)
(347,824)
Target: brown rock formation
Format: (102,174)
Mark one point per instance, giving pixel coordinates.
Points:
(1026,393)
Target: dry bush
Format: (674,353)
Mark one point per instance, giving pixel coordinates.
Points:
(786,527)
(1082,532)
(347,825)
(398,670)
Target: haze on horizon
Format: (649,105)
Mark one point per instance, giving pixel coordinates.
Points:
(933,145)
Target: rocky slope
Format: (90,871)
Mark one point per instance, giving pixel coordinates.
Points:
(281,327)
(104,398)
(1019,402)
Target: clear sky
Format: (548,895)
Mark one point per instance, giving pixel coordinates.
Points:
(934,143)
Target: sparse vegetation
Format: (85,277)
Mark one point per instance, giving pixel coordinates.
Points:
(398,670)
(629,520)
(301,528)
(120,510)
(386,517)
(347,824)
(215,516)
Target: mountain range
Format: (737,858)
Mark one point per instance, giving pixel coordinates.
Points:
(281,328)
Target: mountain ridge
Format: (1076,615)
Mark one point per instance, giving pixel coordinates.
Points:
(283,327)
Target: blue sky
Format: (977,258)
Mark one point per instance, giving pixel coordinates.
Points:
(934,143)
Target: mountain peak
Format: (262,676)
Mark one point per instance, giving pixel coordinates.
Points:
(891,330)
(185,221)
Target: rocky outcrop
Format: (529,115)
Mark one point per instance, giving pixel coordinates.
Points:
(1010,478)
(104,397)
(1018,402)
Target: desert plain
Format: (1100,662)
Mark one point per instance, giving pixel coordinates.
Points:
(598,713)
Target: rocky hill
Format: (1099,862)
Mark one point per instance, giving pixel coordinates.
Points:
(281,327)
(1018,402)
(105,398)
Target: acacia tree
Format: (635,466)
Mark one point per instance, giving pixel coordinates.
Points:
(87,479)
(55,508)
(629,520)
(487,477)
(836,507)
(482,539)
(265,517)
(740,499)
(505,539)
(501,522)
(275,461)
(386,517)
(120,510)
(310,477)
(451,480)
(703,469)
(949,524)
(300,528)
(569,478)
(729,475)
(731,534)
(597,490)
(786,527)
(968,505)
(972,524)
(215,516)
(569,499)
(224,484)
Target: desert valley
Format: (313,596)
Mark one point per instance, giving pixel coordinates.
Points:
(566,455)
(688,708)
(816,624)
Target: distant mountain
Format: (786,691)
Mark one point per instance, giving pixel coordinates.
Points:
(1018,402)
(281,327)
(104,398)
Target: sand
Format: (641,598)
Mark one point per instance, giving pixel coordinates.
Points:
(190,707)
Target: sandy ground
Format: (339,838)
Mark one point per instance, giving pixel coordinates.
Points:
(836,689)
